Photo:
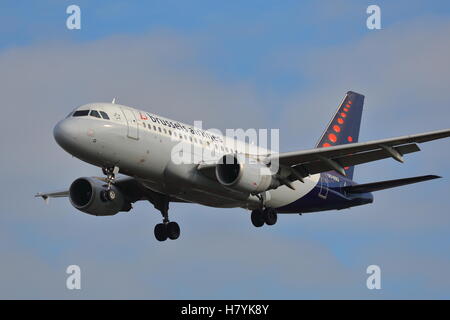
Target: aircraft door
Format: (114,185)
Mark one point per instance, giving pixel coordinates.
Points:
(133,130)
(323,182)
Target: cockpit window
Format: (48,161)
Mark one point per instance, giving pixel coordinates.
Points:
(81,113)
(94,113)
(104,115)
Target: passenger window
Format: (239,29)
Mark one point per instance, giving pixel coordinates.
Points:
(81,113)
(104,115)
(154,128)
(94,113)
(170,133)
(165,131)
(159,129)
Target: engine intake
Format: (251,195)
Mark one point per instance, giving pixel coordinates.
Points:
(85,195)
(243,174)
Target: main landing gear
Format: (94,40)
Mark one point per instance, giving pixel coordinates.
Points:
(260,216)
(167,229)
(109,194)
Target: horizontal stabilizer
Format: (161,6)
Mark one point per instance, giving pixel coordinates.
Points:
(381,185)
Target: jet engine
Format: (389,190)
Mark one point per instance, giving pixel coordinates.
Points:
(243,174)
(86,195)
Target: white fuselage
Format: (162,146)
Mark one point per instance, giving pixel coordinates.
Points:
(164,155)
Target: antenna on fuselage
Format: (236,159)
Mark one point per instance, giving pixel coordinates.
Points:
(114,101)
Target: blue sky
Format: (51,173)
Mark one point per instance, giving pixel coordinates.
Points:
(263,64)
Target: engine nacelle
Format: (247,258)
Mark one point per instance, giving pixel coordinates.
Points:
(84,194)
(243,174)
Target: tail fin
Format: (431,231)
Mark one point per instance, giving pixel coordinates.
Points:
(345,124)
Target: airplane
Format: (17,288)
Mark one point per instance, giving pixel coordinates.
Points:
(227,173)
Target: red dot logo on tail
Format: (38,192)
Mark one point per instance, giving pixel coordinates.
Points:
(332,137)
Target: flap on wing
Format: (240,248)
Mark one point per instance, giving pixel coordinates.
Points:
(318,166)
(300,157)
(381,185)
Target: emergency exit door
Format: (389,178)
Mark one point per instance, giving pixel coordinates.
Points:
(323,191)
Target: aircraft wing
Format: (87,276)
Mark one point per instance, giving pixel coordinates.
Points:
(306,162)
(133,190)
(59,194)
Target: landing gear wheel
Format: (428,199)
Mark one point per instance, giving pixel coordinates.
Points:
(173,230)
(110,174)
(270,216)
(108,195)
(257,218)
(103,195)
(167,229)
(161,232)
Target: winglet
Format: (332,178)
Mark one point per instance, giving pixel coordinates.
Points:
(114,100)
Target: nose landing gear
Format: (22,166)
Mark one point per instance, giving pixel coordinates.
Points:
(109,194)
(110,174)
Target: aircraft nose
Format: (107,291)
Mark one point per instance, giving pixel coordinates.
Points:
(66,133)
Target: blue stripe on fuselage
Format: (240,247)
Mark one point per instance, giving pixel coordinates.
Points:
(327,195)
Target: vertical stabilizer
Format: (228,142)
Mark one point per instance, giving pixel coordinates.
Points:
(345,124)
